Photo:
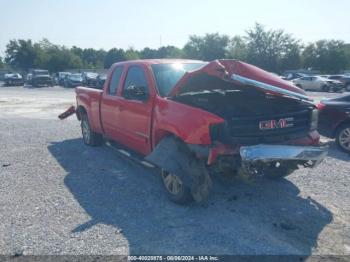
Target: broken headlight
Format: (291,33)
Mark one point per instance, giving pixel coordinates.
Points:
(314,120)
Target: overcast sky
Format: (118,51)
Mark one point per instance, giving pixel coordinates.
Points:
(140,23)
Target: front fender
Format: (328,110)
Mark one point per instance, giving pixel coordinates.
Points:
(188,123)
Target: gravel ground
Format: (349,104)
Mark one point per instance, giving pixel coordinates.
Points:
(58,196)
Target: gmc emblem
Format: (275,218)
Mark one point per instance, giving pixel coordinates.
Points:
(274,124)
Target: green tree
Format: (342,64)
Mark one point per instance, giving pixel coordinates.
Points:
(21,54)
(114,55)
(328,56)
(93,58)
(162,52)
(131,54)
(1,63)
(209,47)
(237,48)
(56,58)
(273,50)
(148,53)
(347,55)
(169,52)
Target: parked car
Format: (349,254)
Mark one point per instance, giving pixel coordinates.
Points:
(342,78)
(188,118)
(73,80)
(61,77)
(90,79)
(101,79)
(334,120)
(13,79)
(40,77)
(317,83)
(291,76)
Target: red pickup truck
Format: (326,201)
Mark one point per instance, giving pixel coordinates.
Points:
(193,118)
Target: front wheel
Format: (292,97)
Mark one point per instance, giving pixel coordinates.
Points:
(342,138)
(90,137)
(177,191)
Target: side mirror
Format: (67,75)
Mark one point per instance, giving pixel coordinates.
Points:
(136,92)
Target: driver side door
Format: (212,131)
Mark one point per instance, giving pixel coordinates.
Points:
(135,111)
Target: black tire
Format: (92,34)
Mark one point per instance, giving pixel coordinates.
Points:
(341,132)
(273,172)
(181,196)
(325,88)
(90,138)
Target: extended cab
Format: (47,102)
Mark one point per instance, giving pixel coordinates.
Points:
(193,119)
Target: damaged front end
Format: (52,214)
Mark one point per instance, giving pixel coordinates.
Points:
(255,159)
(269,126)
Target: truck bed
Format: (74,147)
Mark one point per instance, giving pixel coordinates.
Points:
(90,99)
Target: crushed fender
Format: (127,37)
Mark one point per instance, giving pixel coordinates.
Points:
(175,157)
(70,111)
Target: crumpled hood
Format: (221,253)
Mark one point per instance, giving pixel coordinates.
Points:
(242,74)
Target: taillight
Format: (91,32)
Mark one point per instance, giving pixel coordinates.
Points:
(320,106)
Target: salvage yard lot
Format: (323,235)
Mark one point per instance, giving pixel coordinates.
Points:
(58,196)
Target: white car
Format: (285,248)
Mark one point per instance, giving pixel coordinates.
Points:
(318,83)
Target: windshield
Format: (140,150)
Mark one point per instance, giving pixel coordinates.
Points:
(91,75)
(167,75)
(63,74)
(75,76)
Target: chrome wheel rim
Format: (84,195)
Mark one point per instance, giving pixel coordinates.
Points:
(86,130)
(344,138)
(171,182)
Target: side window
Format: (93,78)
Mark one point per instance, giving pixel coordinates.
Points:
(135,85)
(114,83)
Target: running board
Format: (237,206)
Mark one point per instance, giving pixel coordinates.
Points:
(132,156)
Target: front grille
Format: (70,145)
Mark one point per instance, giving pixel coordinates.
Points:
(246,129)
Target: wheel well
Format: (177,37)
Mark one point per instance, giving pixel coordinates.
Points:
(80,111)
(159,135)
(345,122)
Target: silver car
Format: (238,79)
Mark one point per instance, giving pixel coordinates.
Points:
(318,83)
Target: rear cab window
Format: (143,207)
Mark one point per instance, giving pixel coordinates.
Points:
(115,80)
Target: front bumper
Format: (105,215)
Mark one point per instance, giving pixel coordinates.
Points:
(275,153)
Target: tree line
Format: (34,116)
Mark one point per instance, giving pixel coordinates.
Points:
(272,50)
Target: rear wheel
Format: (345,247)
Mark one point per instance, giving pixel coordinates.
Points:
(342,138)
(90,138)
(177,191)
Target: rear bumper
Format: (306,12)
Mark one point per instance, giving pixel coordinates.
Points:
(273,153)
